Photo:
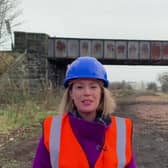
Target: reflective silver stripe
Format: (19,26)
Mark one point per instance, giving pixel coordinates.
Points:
(55,140)
(121,141)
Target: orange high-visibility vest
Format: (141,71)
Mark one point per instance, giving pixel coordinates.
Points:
(66,152)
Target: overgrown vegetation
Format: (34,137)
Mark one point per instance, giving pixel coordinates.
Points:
(21,117)
(6,60)
(21,110)
(17,107)
(163,79)
(152,86)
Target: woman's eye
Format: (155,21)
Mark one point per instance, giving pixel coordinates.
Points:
(93,87)
(79,87)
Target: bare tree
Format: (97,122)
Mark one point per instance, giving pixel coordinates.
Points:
(152,86)
(163,79)
(9,13)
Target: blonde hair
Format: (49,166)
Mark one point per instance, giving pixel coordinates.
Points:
(107,103)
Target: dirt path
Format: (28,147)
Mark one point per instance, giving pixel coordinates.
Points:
(150,133)
(150,137)
(18,148)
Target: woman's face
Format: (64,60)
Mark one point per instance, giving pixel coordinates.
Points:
(86,95)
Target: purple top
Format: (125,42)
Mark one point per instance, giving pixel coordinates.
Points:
(90,135)
(84,131)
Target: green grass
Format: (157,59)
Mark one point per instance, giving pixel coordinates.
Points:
(28,111)
(21,115)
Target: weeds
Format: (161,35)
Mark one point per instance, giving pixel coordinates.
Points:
(19,110)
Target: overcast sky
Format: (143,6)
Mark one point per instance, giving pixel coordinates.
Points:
(109,19)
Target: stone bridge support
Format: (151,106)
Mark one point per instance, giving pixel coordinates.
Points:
(56,73)
(41,72)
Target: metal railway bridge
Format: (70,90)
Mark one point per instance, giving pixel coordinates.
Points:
(51,55)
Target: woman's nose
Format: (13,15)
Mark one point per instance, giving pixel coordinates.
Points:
(86,90)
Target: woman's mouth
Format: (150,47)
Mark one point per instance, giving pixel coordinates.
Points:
(87,102)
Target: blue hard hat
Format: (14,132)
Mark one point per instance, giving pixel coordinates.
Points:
(86,67)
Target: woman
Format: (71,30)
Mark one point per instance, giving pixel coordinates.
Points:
(85,134)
